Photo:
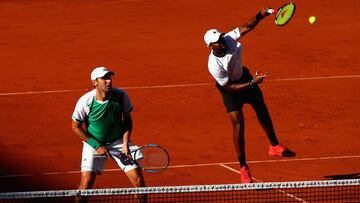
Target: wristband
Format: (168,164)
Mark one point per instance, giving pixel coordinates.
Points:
(259,16)
(251,83)
(94,143)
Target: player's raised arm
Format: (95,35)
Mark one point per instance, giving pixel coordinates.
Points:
(251,24)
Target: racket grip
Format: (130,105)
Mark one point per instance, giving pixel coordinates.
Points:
(271,11)
(115,153)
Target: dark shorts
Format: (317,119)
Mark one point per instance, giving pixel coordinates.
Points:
(234,101)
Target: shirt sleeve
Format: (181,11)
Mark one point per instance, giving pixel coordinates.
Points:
(78,114)
(235,34)
(128,107)
(81,109)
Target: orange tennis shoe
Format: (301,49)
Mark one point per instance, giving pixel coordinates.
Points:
(245,175)
(280,150)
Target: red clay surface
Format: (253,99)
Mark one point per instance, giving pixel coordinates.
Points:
(53,45)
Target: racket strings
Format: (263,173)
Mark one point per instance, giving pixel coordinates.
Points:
(285,14)
(153,158)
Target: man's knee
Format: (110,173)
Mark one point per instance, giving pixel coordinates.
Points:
(136,178)
(236,118)
(139,182)
(237,124)
(87,180)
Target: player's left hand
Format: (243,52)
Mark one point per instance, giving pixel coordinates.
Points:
(259,77)
(126,150)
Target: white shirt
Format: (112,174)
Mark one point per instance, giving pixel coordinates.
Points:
(228,67)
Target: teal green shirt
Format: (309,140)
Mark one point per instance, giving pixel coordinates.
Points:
(104,120)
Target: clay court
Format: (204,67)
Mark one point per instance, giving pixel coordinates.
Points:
(156,48)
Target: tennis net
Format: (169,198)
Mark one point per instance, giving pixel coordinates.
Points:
(304,191)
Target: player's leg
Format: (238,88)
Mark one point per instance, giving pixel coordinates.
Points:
(86,182)
(92,165)
(131,169)
(136,178)
(238,128)
(254,97)
(238,125)
(233,104)
(87,179)
(263,115)
(127,163)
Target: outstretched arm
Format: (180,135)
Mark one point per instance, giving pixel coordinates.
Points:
(251,24)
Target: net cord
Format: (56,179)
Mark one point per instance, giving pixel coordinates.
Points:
(179,189)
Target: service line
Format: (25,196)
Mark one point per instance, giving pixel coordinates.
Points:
(177,86)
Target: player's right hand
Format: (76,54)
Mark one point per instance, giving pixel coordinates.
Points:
(266,11)
(103,151)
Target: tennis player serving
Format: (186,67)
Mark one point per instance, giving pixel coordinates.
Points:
(238,87)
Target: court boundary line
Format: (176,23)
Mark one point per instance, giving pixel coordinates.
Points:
(177,86)
(260,181)
(193,165)
(271,161)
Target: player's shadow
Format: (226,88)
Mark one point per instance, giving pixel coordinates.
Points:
(343,176)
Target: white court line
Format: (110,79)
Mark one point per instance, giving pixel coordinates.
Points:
(317,78)
(40,92)
(176,86)
(167,86)
(257,180)
(194,165)
(270,161)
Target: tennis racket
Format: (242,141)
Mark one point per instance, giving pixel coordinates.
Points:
(150,158)
(283,14)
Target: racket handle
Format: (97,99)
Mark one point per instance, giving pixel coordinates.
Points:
(271,11)
(115,153)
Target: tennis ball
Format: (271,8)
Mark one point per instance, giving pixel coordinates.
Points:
(312,19)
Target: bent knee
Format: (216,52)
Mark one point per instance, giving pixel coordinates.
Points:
(136,178)
(139,182)
(87,180)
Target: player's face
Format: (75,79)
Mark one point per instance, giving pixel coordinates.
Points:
(219,46)
(104,84)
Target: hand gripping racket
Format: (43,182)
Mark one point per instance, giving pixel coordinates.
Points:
(150,158)
(284,14)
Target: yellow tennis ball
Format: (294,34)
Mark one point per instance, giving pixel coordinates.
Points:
(312,19)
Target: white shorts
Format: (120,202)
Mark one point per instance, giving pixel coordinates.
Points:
(91,161)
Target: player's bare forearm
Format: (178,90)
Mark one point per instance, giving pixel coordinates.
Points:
(235,87)
(126,138)
(78,130)
(128,128)
(251,24)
